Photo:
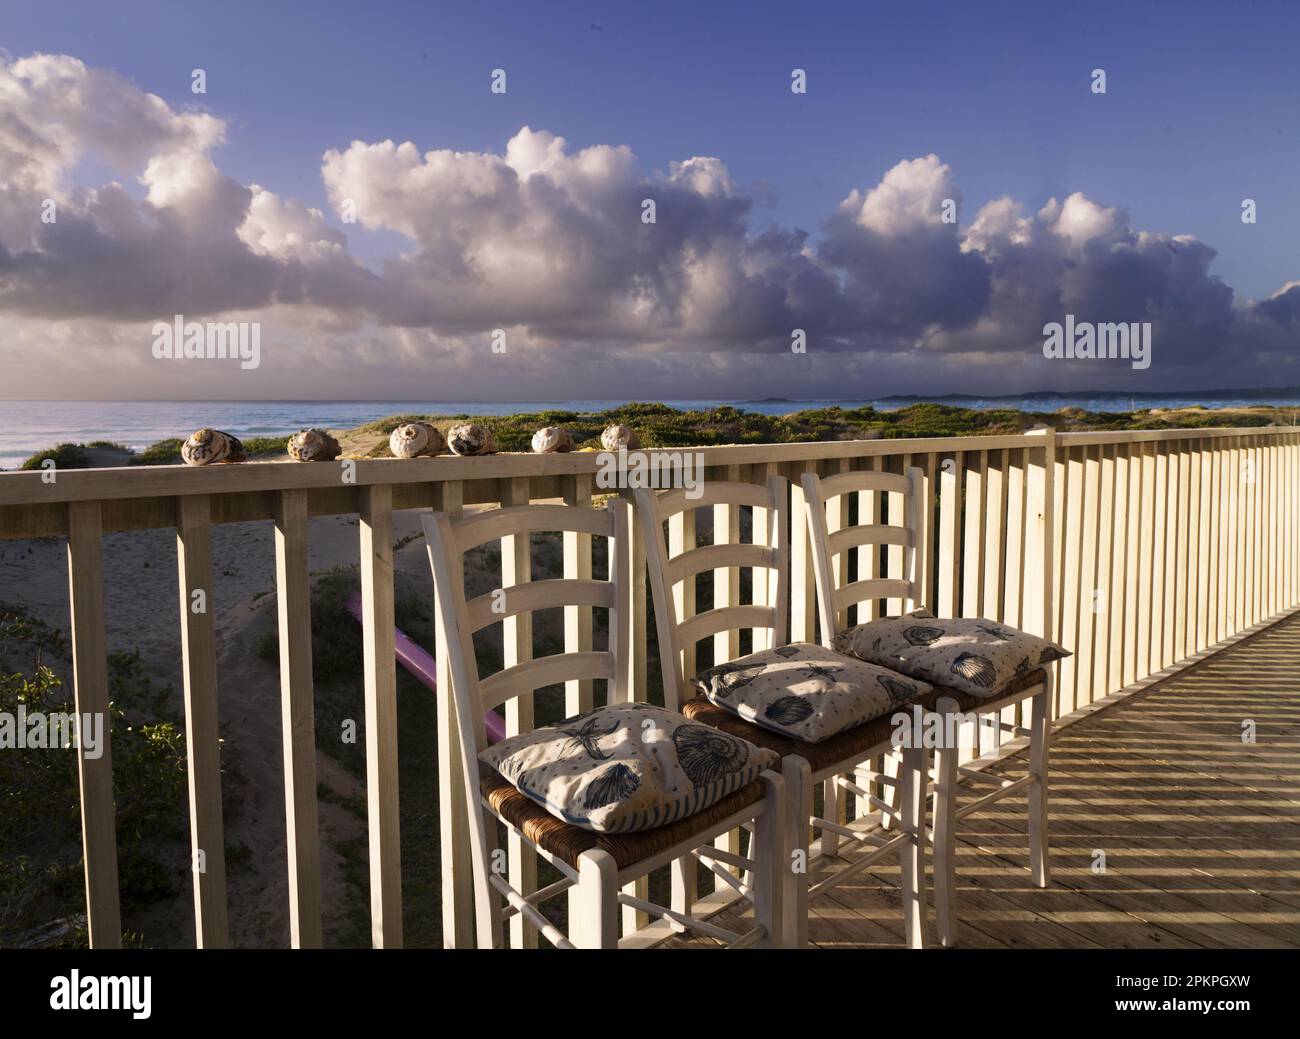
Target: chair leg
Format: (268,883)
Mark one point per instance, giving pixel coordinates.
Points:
(945,825)
(685,888)
(913,776)
(798,799)
(889,791)
(832,811)
(596,926)
(771,865)
(487,901)
(1040,735)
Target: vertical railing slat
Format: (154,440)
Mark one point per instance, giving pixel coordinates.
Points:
(90,691)
(1236,534)
(1072,589)
(1040,536)
(803,594)
(1182,572)
(950,473)
(681,538)
(379,657)
(454,848)
(869,555)
(726,580)
(1103,587)
(1204,548)
(297,718)
(1014,585)
(578,694)
(202,736)
(517,648)
(1118,602)
(973,548)
(1160,591)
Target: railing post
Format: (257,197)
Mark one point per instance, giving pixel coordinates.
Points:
(297,718)
(198,648)
(379,660)
(90,689)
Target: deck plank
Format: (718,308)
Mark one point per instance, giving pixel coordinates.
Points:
(1201,831)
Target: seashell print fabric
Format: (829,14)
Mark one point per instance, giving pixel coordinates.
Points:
(805,691)
(626,767)
(971,654)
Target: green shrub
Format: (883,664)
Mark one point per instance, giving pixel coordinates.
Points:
(40,827)
(65,456)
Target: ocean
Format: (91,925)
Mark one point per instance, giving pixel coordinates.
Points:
(30,426)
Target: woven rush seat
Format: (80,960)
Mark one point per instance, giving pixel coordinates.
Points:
(567,842)
(967,702)
(846,744)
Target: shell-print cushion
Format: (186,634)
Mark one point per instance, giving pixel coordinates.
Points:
(973,655)
(626,767)
(806,691)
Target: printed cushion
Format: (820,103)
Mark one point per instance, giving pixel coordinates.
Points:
(972,655)
(626,767)
(806,691)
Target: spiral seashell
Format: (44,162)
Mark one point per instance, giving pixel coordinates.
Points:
(707,755)
(470,438)
(416,439)
(551,440)
(313,445)
(617,436)
(211,447)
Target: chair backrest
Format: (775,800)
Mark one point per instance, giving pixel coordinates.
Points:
(904,530)
(449,539)
(768,555)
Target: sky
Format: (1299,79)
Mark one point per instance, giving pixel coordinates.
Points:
(950,182)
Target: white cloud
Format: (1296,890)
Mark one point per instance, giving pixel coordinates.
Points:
(548,242)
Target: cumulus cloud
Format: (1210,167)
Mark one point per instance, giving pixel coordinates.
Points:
(548,242)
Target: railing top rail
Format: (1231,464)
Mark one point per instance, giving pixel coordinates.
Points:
(31,487)
(1091,437)
(33,505)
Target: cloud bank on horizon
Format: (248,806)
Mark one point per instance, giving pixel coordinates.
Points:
(548,243)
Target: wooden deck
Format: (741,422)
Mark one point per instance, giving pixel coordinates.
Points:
(1200,831)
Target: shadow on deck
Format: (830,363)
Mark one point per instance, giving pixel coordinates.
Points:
(1200,831)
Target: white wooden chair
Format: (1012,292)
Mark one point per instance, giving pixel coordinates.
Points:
(599,865)
(834,601)
(802,764)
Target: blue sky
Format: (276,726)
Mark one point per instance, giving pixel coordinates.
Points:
(1200,109)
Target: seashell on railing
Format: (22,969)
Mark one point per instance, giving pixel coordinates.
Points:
(552,440)
(313,445)
(212,447)
(471,439)
(617,436)
(416,439)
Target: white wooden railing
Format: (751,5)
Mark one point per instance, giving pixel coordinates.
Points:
(1135,549)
